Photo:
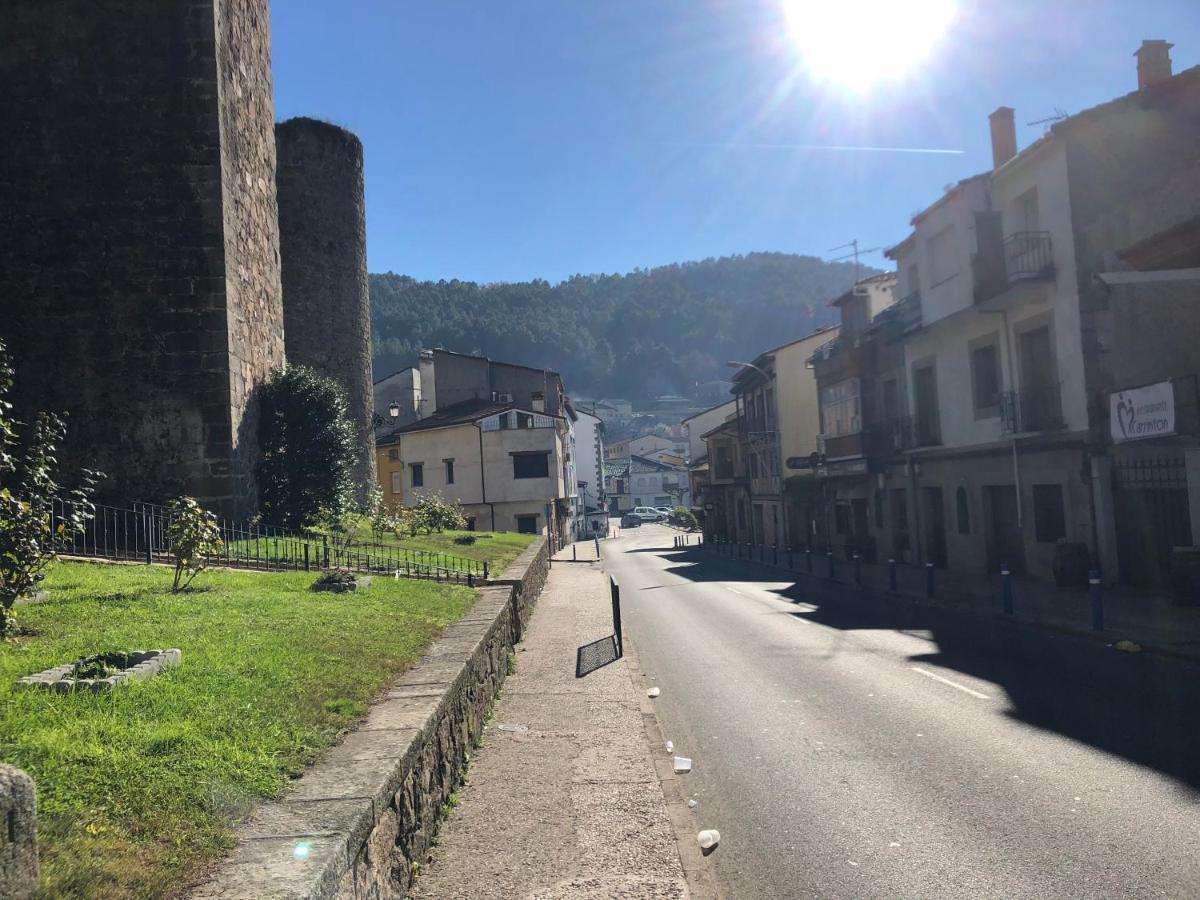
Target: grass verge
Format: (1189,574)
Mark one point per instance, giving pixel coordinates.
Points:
(138,790)
(498,548)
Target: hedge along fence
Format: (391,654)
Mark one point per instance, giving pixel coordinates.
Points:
(139,534)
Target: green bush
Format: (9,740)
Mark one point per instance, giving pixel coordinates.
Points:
(307,444)
(28,488)
(431,513)
(683,517)
(193,536)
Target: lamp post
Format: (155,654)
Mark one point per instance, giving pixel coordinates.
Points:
(394,410)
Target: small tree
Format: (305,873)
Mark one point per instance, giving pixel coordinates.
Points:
(307,445)
(193,536)
(431,513)
(29,521)
(684,517)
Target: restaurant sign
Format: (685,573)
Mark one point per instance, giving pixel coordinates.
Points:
(1143,412)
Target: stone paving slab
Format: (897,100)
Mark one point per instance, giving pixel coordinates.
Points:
(563,799)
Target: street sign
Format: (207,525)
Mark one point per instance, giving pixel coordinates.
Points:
(1143,412)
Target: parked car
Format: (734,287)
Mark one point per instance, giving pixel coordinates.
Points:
(648,513)
(665,510)
(630,520)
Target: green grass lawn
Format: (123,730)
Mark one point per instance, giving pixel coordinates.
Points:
(138,789)
(498,548)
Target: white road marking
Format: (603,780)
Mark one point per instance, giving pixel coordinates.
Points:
(953,684)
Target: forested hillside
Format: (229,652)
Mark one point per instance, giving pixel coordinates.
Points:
(638,335)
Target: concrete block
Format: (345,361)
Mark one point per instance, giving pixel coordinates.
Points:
(18,834)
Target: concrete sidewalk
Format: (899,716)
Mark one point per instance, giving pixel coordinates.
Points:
(563,799)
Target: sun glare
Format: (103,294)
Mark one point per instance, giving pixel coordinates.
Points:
(860,44)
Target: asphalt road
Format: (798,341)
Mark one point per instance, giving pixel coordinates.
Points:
(844,749)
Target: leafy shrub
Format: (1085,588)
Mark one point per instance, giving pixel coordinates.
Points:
(431,513)
(465,539)
(193,536)
(684,517)
(307,445)
(28,488)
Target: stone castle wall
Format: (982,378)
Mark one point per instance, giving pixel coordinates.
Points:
(323,238)
(255,315)
(139,285)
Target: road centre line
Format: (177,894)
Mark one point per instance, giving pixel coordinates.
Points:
(953,684)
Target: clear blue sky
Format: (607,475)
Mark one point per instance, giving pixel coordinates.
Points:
(541,138)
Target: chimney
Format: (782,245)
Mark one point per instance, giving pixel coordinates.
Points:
(1153,63)
(1004,136)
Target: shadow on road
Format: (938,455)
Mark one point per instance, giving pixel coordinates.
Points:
(1142,707)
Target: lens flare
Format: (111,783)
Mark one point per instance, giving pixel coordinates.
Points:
(859,45)
(302,850)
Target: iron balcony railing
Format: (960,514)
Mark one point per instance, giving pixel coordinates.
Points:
(1035,408)
(905,433)
(1023,256)
(1028,254)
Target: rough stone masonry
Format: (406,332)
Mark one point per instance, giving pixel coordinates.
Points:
(139,235)
(323,243)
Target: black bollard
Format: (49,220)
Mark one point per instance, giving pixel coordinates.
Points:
(1006,586)
(1097,588)
(857,569)
(892,576)
(929,580)
(832,567)
(808,560)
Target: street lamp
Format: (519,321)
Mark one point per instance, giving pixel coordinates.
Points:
(394,410)
(745,365)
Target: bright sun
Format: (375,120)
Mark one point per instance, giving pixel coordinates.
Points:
(859,44)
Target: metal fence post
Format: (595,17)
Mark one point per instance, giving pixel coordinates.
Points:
(325,546)
(929,580)
(1097,590)
(615,590)
(306,565)
(1006,586)
(146,534)
(485,570)
(892,575)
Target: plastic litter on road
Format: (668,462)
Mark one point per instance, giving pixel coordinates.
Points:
(653,692)
(709,838)
(683,765)
(670,746)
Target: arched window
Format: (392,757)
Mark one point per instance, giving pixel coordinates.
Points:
(964,511)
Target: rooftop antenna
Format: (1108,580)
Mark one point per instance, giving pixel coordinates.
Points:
(852,254)
(1059,115)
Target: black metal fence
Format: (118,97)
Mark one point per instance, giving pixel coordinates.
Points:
(139,534)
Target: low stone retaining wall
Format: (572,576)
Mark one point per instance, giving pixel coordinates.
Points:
(18,835)
(358,824)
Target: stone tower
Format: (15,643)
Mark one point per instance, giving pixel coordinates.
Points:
(139,237)
(323,244)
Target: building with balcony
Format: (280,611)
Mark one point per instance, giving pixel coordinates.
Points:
(850,372)
(1031,296)
(777,424)
(654,483)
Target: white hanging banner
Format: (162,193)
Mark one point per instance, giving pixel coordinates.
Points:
(1143,412)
